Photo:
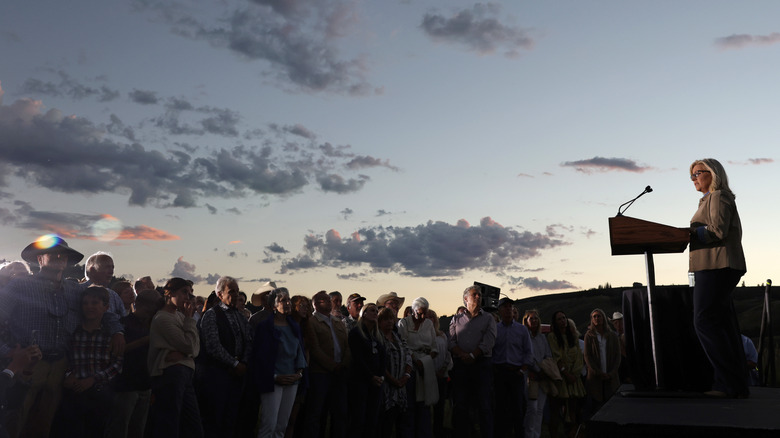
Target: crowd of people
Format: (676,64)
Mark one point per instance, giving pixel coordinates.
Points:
(90,358)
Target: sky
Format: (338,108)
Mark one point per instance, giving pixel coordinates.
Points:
(376,146)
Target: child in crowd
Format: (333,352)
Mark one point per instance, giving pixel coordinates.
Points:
(87,397)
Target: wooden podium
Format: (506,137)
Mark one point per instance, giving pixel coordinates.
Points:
(627,236)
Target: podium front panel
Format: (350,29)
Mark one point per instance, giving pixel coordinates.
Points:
(682,363)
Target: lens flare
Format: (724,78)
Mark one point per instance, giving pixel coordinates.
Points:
(47,241)
(107,228)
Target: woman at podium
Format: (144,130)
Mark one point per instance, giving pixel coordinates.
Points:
(717,261)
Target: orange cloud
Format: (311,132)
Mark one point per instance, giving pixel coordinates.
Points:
(142,232)
(61,231)
(233,242)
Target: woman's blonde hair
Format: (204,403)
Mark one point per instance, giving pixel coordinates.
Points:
(527,316)
(607,327)
(368,329)
(720,181)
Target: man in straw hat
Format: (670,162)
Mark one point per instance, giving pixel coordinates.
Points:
(259,301)
(44,310)
(392,301)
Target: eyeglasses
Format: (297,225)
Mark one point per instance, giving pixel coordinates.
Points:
(695,175)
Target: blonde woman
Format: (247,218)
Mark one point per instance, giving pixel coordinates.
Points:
(717,262)
(602,357)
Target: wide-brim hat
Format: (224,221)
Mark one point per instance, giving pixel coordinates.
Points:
(49,244)
(389,296)
(267,287)
(616,316)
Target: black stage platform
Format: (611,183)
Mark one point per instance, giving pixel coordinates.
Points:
(681,415)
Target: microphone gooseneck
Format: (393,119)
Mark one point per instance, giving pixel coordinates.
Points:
(622,210)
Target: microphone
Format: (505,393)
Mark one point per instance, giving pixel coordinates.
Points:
(620,212)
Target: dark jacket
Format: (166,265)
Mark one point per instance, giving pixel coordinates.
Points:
(264,347)
(368,357)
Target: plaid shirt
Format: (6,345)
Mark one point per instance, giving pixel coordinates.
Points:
(53,309)
(90,355)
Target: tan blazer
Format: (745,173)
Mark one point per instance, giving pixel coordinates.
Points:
(722,247)
(319,342)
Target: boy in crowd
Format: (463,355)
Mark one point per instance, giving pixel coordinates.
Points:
(87,397)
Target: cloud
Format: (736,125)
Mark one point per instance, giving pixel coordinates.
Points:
(186,270)
(218,121)
(171,123)
(211,279)
(71,154)
(753,161)
(534,283)
(337,183)
(118,128)
(296,129)
(68,86)
(361,162)
(144,97)
(296,40)
(335,151)
(741,41)
(211,208)
(601,164)
(223,122)
(78,225)
(299,262)
(276,248)
(351,276)
(347,212)
(269,258)
(477,29)
(537,284)
(435,249)
(178,104)
(142,232)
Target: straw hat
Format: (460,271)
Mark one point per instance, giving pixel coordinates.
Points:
(389,296)
(264,289)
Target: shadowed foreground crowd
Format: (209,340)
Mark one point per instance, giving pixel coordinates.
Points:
(85,358)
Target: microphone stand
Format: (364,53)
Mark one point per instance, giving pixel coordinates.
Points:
(648,189)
